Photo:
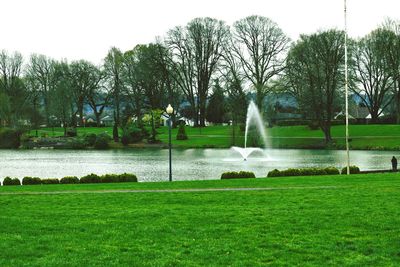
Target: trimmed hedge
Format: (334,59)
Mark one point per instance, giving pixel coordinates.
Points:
(90,179)
(353,170)
(118,178)
(69,180)
(50,181)
(31,180)
(11,181)
(235,175)
(303,172)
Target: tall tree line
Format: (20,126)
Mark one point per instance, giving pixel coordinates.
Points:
(203,63)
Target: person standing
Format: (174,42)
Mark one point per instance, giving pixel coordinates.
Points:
(394,164)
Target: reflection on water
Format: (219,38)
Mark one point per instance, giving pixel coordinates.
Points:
(189,164)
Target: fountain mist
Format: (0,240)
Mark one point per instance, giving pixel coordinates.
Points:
(253,116)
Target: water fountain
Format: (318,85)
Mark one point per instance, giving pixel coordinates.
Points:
(253,117)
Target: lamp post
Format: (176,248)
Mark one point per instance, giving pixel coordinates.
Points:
(170,111)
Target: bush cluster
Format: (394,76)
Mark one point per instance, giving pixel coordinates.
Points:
(102,141)
(132,134)
(90,178)
(72,132)
(235,175)
(303,172)
(353,170)
(108,178)
(31,180)
(69,180)
(90,139)
(11,181)
(118,178)
(50,181)
(9,138)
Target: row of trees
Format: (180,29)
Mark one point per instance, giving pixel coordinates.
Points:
(252,56)
(315,66)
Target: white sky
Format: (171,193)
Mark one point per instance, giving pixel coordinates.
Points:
(86,29)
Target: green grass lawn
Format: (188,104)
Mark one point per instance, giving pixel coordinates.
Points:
(354,222)
(362,136)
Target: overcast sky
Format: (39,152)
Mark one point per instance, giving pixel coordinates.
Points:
(86,29)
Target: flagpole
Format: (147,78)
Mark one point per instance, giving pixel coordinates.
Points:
(346,88)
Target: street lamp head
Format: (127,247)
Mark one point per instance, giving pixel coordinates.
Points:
(170,109)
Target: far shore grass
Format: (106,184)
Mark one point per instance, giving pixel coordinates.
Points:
(306,221)
(370,137)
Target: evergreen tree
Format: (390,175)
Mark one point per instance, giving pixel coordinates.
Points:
(216,108)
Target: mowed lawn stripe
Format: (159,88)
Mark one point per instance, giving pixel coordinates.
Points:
(358,224)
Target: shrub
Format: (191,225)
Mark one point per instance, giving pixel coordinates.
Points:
(303,172)
(71,132)
(353,170)
(102,141)
(90,179)
(10,138)
(50,181)
(109,178)
(292,172)
(312,171)
(31,180)
(274,173)
(90,139)
(127,177)
(69,180)
(235,175)
(118,178)
(11,181)
(132,134)
(332,170)
(181,133)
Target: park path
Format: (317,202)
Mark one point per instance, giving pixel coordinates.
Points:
(187,190)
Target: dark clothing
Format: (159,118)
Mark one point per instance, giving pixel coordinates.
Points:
(394,163)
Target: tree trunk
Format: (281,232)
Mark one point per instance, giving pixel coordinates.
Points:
(203,114)
(326,128)
(397,99)
(260,97)
(115,129)
(98,122)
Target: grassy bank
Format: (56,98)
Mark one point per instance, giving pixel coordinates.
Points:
(379,137)
(355,221)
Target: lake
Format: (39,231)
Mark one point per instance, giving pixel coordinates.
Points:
(188,164)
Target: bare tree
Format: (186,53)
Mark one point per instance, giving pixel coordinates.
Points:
(113,66)
(85,79)
(392,56)
(41,68)
(372,74)
(12,87)
(260,45)
(196,51)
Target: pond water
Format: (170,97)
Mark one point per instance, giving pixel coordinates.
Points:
(188,164)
